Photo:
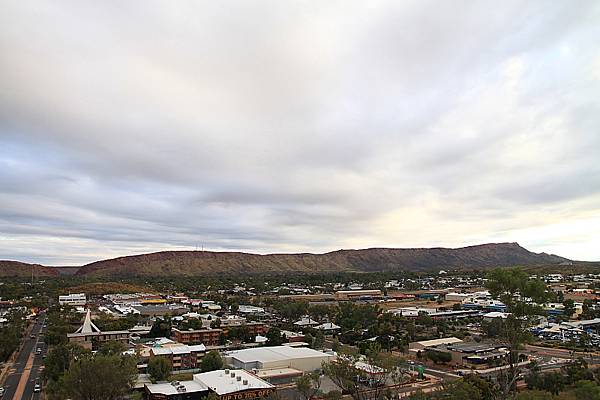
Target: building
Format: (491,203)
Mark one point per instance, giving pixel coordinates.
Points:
(458,296)
(159,310)
(425,345)
(358,294)
(299,358)
(473,354)
(328,327)
(226,384)
(247,309)
(306,322)
(75,299)
(235,384)
(176,390)
(207,337)
(90,337)
(181,356)
(412,312)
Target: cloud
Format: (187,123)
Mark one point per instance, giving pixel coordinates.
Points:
(271,126)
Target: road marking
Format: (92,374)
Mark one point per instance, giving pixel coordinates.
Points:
(24,378)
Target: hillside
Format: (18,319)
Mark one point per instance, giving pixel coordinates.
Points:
(16,268)
(188,263)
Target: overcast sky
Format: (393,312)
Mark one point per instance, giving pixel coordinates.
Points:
(286,126)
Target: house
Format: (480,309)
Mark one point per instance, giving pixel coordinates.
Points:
(328,327)
(306,322)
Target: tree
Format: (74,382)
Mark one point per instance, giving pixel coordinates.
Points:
(211,361)
(522,297)
(160,328)
(568,308)
(275,337)
(461,389)
(97,378)
(587,390)
(112,347)
(354,373)
(319,340)
(333,395)
(159,368)
(309,385)
(534,395)
(60,357)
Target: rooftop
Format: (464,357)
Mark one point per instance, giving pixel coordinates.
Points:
(223,383)
(274,353)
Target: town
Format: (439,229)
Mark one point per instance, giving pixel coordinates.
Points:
(446,334)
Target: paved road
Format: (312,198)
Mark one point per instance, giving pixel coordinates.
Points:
(25,371)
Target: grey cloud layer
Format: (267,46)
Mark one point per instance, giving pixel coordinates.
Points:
(284,126)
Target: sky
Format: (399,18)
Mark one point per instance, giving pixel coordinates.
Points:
(297,126)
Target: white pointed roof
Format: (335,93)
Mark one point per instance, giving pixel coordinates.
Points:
(88,326)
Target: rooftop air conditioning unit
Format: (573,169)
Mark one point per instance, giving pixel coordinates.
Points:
(245,382)
(239,378)
(232,374)
(226,372)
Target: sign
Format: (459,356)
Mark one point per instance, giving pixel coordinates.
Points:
(248,394)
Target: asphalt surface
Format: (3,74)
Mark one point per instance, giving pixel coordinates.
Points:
(23,374)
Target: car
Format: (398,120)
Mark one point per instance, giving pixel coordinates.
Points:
(38,351)
(32,336)
(37,388)
(1,391)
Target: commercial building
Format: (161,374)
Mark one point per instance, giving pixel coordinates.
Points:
(226,384)
(75,299)
(358,294)
(424,345)
(473,354)
(299,358)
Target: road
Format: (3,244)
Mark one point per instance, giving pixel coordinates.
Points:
(25,371)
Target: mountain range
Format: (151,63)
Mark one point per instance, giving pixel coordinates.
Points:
(203,263)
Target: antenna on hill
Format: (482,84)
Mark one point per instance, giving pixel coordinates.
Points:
(31,274)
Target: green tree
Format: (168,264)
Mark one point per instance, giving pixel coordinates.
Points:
(111,348)
(159,368)
(97,378)
(60,357)
(534,395)
(587,390)
(309,385)
(275,337)
(211,361)
(523,298)
(568,308)
(160,328)
(351,372)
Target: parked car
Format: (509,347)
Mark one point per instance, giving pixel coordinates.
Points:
(1,391)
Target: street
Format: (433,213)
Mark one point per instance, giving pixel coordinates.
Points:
(23,374)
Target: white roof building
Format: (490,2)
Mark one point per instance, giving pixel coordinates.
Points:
(300,358)
(425,344)
(306,321)
(328,326)
(232,381)
(175,388)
